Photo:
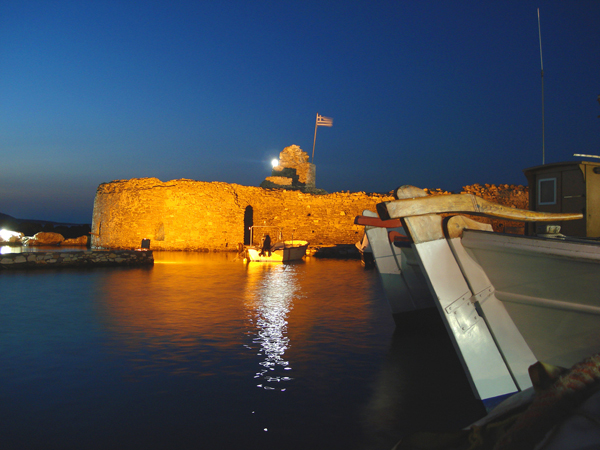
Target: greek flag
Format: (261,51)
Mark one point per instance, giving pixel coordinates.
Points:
(324,121)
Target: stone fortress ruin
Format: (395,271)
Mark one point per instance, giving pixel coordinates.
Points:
(214,216)
(293,171)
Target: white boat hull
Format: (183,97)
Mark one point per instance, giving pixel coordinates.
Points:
(507,301)
(550,288)
(403,281)
(493,372)
(282,252)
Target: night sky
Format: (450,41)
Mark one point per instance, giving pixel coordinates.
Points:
(438,94)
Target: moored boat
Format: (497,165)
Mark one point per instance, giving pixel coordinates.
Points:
(507,301)
(403,282)
(285,251)
(279,250)
(549,287)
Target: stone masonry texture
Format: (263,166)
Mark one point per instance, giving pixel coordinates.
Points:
(210,216)
(61,259)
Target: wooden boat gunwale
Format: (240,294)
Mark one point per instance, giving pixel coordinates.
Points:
(464,204)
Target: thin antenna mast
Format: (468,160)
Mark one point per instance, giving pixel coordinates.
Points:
(543,121)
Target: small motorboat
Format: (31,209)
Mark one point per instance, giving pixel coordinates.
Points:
(281,251)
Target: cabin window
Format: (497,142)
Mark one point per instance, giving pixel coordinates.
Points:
(547,191)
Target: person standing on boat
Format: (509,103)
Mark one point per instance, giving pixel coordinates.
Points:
(266,247)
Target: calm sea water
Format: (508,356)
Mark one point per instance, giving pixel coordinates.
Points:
(205,351)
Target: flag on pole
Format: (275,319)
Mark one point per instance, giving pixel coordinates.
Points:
(324,121)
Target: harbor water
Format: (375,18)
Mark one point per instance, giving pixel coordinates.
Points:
(203,350)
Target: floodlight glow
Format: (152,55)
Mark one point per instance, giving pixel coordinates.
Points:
(5,235)
(275,162)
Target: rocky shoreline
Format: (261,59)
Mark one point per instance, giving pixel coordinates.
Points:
(40,239)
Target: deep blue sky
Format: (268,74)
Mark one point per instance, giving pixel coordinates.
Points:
(430,93)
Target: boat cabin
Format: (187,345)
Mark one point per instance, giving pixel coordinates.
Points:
(566,187)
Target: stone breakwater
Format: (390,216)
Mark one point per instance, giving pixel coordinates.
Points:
(94,258)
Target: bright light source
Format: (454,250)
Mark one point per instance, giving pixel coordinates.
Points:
(275,162)
(6,235)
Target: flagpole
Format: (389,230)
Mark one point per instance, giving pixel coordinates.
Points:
(324,121)
(315,139)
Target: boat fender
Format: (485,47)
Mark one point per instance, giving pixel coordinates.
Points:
(553,405)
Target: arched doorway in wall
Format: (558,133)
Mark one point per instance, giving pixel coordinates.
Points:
(248,222)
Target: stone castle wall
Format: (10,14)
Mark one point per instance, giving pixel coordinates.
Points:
(196,215)
(201,216)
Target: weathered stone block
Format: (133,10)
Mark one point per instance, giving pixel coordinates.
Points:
(82,240)
(282,181)
(47,238)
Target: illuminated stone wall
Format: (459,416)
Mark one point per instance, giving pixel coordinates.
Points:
(196,215)
(514,196)
(201,216)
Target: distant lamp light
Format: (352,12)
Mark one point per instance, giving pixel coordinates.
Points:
(9,236)
(275,163)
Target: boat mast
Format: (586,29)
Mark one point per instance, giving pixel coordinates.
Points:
(542,65)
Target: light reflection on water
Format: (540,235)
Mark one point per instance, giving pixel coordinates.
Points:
(270,293)
(169,357)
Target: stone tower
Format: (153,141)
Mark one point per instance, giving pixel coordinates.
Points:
(293,171)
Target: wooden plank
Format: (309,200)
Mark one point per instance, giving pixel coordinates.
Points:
(395,236)
(425,228)
(377,222)
(464,204)
(457,224)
